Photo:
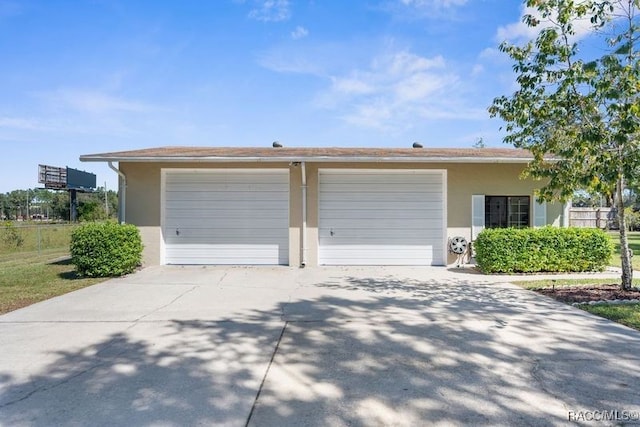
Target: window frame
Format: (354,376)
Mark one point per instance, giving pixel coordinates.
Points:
(506,218)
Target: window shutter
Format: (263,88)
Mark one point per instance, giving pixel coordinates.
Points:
(539,213)
(477,215)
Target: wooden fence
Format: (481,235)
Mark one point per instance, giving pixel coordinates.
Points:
(592,218)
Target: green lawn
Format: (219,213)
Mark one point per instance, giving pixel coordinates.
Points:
(634,244)
(626,314)
(27,279)
(33,238)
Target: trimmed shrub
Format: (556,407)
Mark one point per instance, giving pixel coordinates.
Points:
(105,249)
(548,249)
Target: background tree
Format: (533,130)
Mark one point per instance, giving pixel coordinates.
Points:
(91,210)
(4,211)
(54,205)
(111,200)
(582,111)
(17,203)
(586,199)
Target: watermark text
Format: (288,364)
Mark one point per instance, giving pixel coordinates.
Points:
(604,415)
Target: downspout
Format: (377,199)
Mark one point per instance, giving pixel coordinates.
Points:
(122,190)
(303,169)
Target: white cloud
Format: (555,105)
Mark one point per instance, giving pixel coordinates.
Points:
(407,63)
(426,9)
(299,33)
(392,90)
(397,90)
(477,69)
(373,115)
(433,3)
(419,86)
(280,62)
(94,102)
(490,53)
(519,31)
(271,10)
(61,124)
(21,123)
(80,111)
(353,85)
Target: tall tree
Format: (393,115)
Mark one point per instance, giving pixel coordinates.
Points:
(4,212)
(17,203)
(579,115)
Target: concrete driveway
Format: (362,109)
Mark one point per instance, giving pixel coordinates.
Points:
(182,346)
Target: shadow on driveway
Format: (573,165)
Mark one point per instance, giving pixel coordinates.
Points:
(348,351)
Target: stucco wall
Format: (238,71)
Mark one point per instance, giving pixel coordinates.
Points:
(463,180)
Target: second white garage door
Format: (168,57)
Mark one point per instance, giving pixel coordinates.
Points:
(226,216)
(382,217)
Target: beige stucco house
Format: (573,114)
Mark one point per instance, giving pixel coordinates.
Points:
(321,206)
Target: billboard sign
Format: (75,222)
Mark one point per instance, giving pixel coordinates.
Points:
(56,178)
(52,177)
(80,180)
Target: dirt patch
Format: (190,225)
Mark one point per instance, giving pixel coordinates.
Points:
(571,294)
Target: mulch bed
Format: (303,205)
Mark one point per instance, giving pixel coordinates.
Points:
(585,294)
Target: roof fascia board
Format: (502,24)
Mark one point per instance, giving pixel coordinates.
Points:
(318,159)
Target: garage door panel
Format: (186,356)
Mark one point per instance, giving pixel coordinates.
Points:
(375,241)
(375,224)
(222,242)
(217,196)
(232,251)
(389,197)
(226,217)
(198,256)
(364,205)
(381,217)
(209,176)
(215,205)
(224,214)
(379,233)
(227,233)
(254,224)
(390,214)
(361,255)
(392,251)
(396,177)
(225,187)
(383,187)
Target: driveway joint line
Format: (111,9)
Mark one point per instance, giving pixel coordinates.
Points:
(47,387)
(266,373)
(50,386)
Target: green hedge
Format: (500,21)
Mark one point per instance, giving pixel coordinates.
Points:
(105,249)
(548,249)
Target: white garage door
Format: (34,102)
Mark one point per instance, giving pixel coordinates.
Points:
(226,216)
(385,217)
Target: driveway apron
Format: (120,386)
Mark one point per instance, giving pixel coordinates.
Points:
(344,346)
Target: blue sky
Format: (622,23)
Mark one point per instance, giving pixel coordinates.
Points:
(81,77)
